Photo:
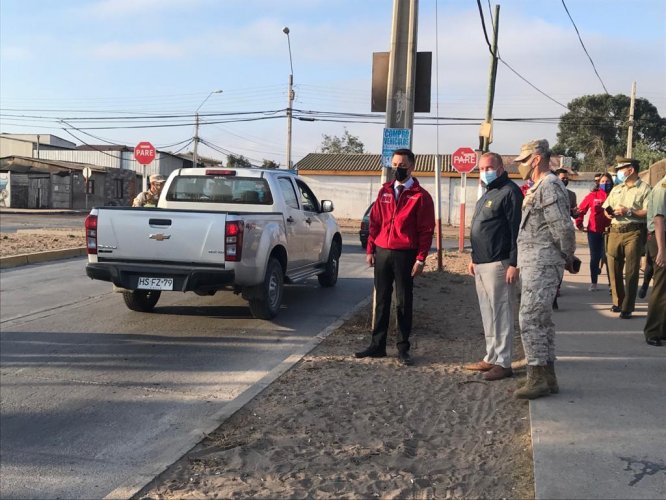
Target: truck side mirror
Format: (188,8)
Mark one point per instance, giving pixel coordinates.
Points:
(326,206)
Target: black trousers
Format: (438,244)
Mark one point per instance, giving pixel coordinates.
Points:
(393,266)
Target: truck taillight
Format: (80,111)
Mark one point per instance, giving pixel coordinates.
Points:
(91,234)
(233,241)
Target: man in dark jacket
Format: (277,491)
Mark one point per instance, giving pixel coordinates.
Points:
(402,222)
(494,262)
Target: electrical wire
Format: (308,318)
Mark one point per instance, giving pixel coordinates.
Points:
(583,45)
(485,34)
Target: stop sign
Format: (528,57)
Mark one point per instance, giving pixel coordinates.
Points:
(144,152)
(464,160)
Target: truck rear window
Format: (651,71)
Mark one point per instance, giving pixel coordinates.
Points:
(220,189)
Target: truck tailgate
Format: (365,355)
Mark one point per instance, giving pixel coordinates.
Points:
(161,235)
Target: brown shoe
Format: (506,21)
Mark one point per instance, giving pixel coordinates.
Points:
(481,366)
(497,372)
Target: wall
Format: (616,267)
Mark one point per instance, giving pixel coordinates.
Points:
(11,147)
(352,194)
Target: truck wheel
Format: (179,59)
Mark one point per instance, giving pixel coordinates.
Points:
(269,299)
(141,300)
(330,276)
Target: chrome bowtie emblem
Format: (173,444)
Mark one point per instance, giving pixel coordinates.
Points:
(159,236)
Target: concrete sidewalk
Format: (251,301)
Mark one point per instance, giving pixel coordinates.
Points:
(603,435)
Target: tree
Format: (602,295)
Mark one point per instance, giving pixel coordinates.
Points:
(594,130)
(234,161)
(270,164)
(647,156)
(346,144)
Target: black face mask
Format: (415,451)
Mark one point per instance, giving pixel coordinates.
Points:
(565,181)
(400,174)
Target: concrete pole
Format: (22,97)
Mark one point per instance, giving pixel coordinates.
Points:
(196,140)
(485,141)
(402,68)
(289,113)
(290,97)
(630,133)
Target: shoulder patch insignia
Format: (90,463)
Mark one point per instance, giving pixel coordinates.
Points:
(488,203)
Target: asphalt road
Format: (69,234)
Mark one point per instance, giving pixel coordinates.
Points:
(97,399)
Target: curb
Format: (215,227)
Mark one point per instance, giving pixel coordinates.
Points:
(35,258)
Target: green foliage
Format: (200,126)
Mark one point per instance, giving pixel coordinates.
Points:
(238,162)
(645,155)
(595,128)
(346,144)
(270,164)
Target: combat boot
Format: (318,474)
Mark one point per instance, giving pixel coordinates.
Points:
(551,378)
(536,385)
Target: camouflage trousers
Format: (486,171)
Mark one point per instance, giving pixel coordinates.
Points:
(537,330)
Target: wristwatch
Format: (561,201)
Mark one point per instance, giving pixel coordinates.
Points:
(629,213)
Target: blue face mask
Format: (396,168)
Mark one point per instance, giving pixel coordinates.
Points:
(621,176)
(488,176)
(606,187)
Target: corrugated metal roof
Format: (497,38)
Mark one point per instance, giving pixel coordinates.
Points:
(361,162)
(10,162)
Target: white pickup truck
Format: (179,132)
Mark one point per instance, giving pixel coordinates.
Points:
(244,229)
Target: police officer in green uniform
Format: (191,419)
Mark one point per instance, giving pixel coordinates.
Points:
(626,206)
(655,326)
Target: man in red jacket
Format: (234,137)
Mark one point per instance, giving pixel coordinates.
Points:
(402,222)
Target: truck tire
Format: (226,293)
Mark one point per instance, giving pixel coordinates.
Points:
(141,300)
(330,276)
(267,303)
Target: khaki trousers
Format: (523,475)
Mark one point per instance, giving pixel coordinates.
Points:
(655,326)
(624,256)
(496,302)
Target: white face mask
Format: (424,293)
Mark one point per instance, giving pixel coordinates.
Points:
(621,176)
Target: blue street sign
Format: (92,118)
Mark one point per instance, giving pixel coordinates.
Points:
(394,138)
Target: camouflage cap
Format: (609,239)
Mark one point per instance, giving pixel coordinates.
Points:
(538,146)
(157,178)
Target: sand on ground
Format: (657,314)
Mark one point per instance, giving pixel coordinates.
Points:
(338,427)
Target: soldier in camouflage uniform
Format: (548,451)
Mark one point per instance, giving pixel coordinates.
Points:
(149,198)
(546,245)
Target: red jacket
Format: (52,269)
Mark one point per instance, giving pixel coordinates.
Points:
(597,222)
(407,224)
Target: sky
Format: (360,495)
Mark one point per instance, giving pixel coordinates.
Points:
(125,71)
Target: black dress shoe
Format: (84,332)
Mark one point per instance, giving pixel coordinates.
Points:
(405,359)
(654,342)
(642,292)
(371,352)
(625,315)
(616,309)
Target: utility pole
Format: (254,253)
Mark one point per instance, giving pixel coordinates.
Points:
(196,140)
(290,98)
(195,158)
(485,134)
(402,69)
(630,133)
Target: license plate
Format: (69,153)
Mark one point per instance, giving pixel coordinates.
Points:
(155,283)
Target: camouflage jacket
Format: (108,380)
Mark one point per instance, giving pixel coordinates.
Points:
(546,235)
(145,198)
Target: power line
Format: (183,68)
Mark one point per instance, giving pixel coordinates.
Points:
(583,45)
(485,34)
